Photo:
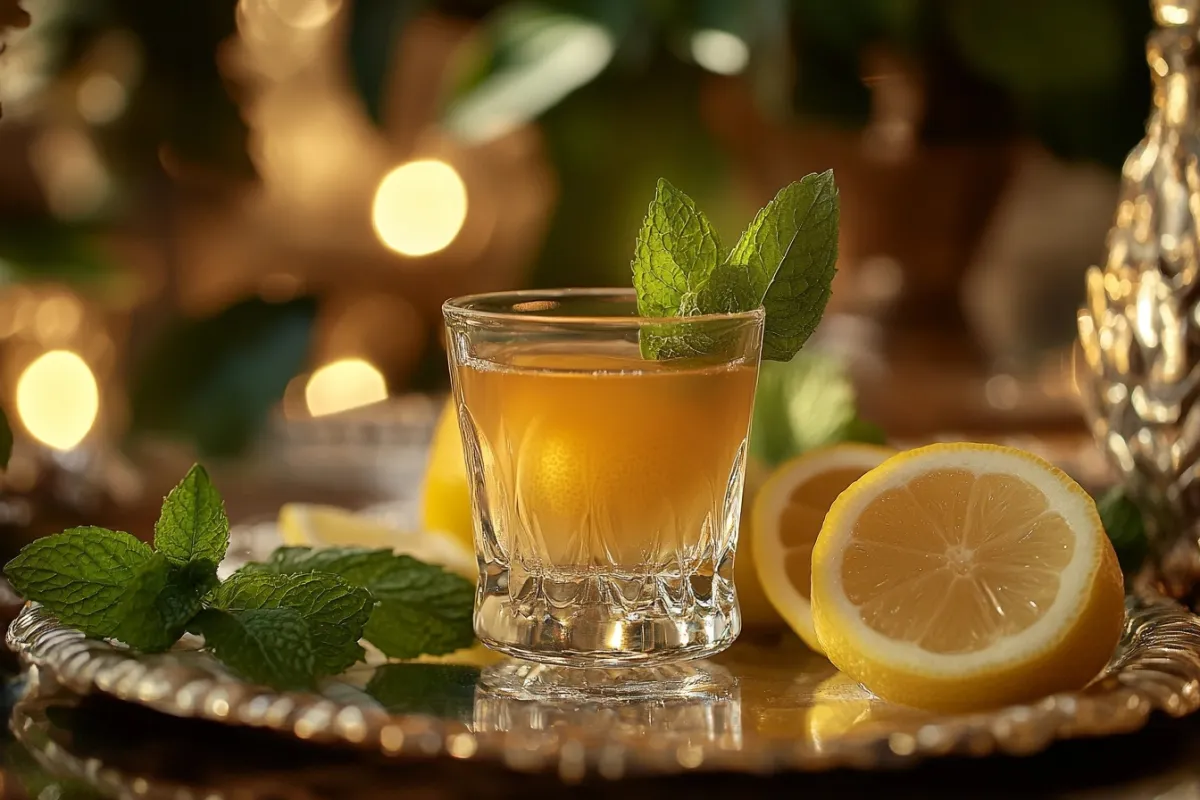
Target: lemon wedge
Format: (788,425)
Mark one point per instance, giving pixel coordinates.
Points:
(304,525)
(786,517)
(446,492)
(966,576)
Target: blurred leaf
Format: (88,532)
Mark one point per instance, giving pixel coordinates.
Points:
(535,55)
(803,404)
(181,107)
(375,30)
(440,690)
(860,430)
(603,175)
(6,440)
(1126,528)
(214,380)
(800,404)
(1055,46)
(53,253)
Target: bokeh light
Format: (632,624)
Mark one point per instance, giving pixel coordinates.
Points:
(343,385)
(420,207)
(58,399)
(720,51)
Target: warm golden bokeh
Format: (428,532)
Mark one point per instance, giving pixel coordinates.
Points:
(343,385)
(420,207)
(58,399)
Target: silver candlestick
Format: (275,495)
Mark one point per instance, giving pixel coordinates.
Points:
(1140,329)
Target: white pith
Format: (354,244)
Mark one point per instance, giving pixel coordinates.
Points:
(1075,579)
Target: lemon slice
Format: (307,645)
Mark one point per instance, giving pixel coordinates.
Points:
(966,576)
(786,518)
(446,492)
(305,525)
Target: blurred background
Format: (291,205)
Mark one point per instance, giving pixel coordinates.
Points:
(226,227)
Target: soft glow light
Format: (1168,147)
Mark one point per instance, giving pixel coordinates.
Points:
(720,51)
(101,98)
(57,399)
(71,172)
(343,385)
(305,14)
(420,207)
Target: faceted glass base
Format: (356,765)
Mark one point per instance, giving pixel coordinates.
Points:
(598,622)
(519,680)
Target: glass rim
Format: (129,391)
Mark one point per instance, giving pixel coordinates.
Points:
(462,308)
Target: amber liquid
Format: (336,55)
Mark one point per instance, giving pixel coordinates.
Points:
(595,458)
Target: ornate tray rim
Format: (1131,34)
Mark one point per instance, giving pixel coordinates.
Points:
(1157,669)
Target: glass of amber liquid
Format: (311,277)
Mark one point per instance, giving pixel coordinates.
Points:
(606,485)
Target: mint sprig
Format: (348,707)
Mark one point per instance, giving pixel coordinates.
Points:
(286,623)
(192,526)
(784,261)
(422,609)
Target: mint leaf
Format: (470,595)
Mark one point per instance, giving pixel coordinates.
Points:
(676,250)
(192,525)
(81,576)
(730,288)
(422,609)
(6,440)
(160,601)
(334,610)
(790,251)
(1125,526)
(356,565)
(785,261)
(271,646)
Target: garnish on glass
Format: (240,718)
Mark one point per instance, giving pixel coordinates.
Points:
(784,261)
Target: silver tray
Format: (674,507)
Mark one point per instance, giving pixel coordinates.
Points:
(783,707)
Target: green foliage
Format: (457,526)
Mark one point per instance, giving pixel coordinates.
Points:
(214,380)
(1126,528)
(804,404)
(374,32)
(285,623)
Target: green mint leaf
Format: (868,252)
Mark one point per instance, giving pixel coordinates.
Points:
(157,605)
(439,690)
(81,576)
(730,288)
(160,601)
(790,251)
(193,526)
(334,610)
(422,608)
(271,646)
(1126,528)
(785,261)
(676,250)
(355,565)
(6,440)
